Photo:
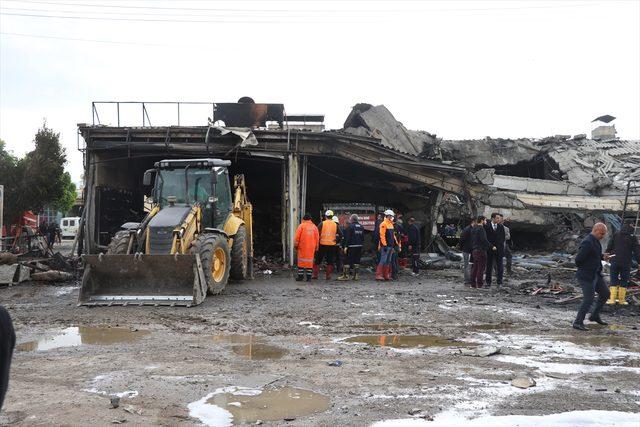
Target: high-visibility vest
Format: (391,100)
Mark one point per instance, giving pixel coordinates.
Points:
(328,233)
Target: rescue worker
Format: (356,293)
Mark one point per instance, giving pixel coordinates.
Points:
(337,249)
(352,245)
(413,245)
(387,242)
(306,243)
(623,246)
(327,248)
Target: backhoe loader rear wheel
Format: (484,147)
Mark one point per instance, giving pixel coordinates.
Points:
(119,243)
(239,255)
(214,255)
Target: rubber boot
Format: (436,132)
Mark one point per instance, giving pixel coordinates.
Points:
(387,272)
(345,273)
(316,271)
(307,274)
(328,272)
(379,272)
(356,269)
(300,273)
(614,295)
(622,296)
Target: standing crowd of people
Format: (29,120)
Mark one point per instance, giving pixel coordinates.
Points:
(485,246)
(341,248)
(485,249)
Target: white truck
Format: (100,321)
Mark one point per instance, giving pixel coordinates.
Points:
(69,226)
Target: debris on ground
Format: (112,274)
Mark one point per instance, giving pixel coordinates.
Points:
(8,258)
(480,351)
(52,276)
(523,382)
(115,401)
(132,409)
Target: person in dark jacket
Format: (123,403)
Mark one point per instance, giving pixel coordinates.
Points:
(495,253)
(7,344)
(414,245)
(397,248)
(403,238)
(352,246)
(479,245)
(337,255)
(466,247)
(624,245)
(376,236)
(508,256)
(589,262)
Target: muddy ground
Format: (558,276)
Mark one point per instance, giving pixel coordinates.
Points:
(274,339)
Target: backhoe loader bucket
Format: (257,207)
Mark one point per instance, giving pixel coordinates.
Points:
(143,280)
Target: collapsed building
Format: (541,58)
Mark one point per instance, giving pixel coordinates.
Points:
(292,165)
(552,189)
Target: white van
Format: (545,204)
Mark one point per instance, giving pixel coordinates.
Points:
(69,226)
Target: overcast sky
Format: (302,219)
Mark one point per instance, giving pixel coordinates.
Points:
(460,69)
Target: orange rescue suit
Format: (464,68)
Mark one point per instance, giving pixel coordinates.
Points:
(306,241)
(328,233)
(387,235)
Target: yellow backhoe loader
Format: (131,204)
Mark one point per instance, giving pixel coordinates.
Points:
(193,239)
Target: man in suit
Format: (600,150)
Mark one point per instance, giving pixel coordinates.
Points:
(466,245)
(496,238)
(589,275)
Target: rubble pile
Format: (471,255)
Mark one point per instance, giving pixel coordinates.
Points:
(596,167)
(16,269)
(555,186)
(378,122)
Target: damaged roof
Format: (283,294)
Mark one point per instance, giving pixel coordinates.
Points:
(378,122)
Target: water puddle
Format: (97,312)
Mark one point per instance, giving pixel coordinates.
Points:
(251,347)
(239,405)
(78,335)
(407,341)
(385,326)
(491,327)
(598,340)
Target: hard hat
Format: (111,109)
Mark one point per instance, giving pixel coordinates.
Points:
(329,212)
(335,219)
(389,212)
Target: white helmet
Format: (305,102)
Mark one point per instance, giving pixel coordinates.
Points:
(328,213)
(335,219)
(389,212)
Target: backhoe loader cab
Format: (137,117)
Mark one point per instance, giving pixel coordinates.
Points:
(194,238)
(184,183)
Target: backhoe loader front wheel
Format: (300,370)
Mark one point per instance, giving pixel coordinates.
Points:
(239,255)
(120,243)
(215,257)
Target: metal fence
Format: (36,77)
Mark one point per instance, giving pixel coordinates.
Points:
(98,106)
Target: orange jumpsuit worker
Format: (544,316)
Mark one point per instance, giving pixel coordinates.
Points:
(306,244)
(387,243)
(327,248)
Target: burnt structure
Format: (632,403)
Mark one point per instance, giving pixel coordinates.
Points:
(289,170)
